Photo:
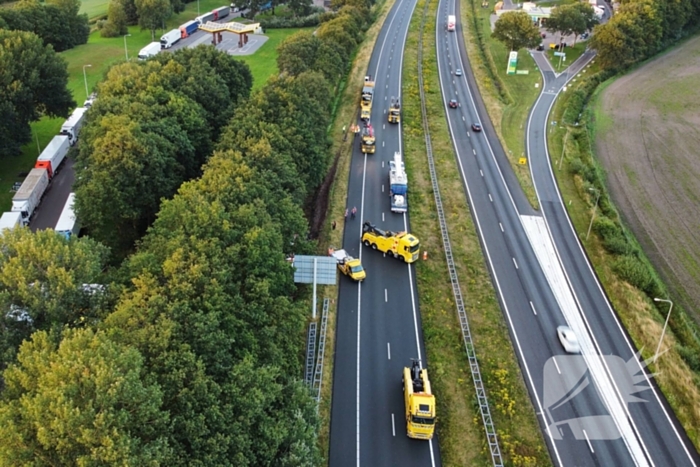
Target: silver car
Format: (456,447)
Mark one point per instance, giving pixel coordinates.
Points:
(568,339)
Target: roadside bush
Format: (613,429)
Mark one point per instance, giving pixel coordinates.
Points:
(690,356)
(618,245)
(279,22)
(606,228)
(631,269)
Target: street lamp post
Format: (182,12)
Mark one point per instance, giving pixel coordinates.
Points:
(87,93)
(663,331)
(126,51)
(594,210)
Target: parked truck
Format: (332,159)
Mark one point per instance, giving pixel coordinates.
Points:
(205,18)
(29,195)
(151,50)
(451,22)
(71,127)
(395,111)
(366,99)
(10,220)
(398,184)
(400,245)
(53,155)
(221,12)
(170,38)
(368,143)
(419,401)
(188,29)
(348,265)
(67,224)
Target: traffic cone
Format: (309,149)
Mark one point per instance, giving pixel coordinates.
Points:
(425,255)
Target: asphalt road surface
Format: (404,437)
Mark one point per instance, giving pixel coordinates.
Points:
(378,328)
(585,404)
(46,216)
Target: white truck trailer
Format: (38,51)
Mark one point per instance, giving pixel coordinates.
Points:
(71,127)
(52,156)
(10,220)
(29,195)
(67,224)
(170,38)
(151,50)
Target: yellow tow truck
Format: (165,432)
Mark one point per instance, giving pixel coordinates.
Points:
(368,141)
(366,99)
(401,245)
(420,402)
(395,111)
(348,265)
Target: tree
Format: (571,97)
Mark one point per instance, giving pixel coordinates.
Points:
(41,283)
(516,30)
(152,14)
(33,83)
(85,402)
(575,19)
(300,7)
(117,20)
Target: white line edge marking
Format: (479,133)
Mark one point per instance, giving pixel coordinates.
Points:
(516,264)
(533,308)
(393,425)
(501,226)
(590,446)
(388,350)
(554,359)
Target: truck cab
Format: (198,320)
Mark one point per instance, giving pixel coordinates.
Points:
(419,402)
(401,245)
(394,111)
(348,265)
(368,140)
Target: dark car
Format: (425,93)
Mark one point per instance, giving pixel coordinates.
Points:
(458,72)
(476,126)
(453,103)
(540,47)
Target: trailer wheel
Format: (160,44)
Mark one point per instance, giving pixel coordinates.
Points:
(366,242)
(374,246)
(403,260)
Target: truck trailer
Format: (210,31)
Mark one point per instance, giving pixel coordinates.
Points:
(53,155)
(451,22)
(29,195)
(398,184)
(205,18)
(188,29)
(10,220)
(366,99)
(221,12)
(151,50)
(170,38)
(67,224)
(71,127)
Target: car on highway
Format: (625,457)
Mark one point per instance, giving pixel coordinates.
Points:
(476,126)
(453,103)
(458,72)
(568,339)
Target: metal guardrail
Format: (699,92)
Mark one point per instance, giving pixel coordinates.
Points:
(310,353)
(491,435)
(318,373)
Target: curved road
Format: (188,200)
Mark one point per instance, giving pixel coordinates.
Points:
(378,328)
(586,404)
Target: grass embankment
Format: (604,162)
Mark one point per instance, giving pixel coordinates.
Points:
(101,53)
(619,261)
(461,432)
(508,98)
(346,114)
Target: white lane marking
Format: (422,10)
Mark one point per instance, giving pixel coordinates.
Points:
(516,264)
(590,446)
(490,197)
(554,359)
(474,151)
(382,188)
(533,308)
(501,226)
(393,425)
(382,216)
(388,350)
(481,172)
(386,296)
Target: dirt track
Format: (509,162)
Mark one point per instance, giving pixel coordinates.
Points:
(649,142)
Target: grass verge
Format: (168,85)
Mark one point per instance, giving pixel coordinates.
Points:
(461,432)
(346,114)
(619,262)
(508,98)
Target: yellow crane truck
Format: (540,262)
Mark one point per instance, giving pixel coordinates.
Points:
(401,245)
(368,141)
(366,100)
(420,402)
(395,111)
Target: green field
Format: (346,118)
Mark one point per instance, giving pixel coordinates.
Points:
(101,53)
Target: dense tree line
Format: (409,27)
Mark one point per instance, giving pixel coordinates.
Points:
(193,354)
(56,22)
(641,28)
(33,83)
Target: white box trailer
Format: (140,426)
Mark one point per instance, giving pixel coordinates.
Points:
(170,38)
(149,51)
(71,127)
(205,18)
(53,155)
(10,220)
(29,195)
(67,224)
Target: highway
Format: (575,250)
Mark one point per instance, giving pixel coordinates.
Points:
(586,404)
(378,327)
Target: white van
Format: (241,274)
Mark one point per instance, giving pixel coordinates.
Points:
(170,38)
(150,50)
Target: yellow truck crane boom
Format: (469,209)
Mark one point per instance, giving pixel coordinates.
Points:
(420,402)
(395,111)
(368,141)
(401,245)
(366,100)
